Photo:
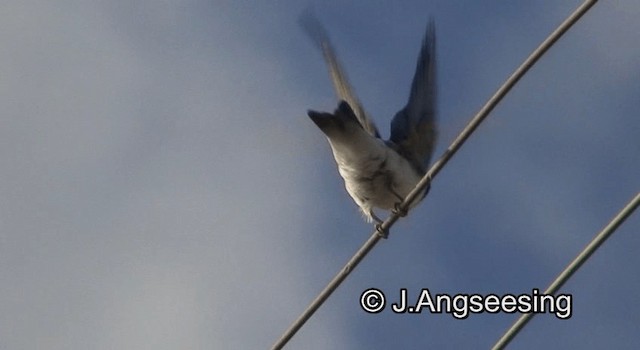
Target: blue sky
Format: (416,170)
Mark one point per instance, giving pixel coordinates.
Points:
(163,188)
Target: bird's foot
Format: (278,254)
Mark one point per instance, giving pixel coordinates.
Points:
(383,233)
(426,190)
(374,217)
(399,210)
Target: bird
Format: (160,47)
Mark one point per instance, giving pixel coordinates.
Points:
(380,173)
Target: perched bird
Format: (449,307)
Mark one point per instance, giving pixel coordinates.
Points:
(380,173)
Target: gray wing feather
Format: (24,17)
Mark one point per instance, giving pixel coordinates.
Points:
(343,90)
(414,129)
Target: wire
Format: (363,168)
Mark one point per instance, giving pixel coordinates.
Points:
(433,171)
(568,271)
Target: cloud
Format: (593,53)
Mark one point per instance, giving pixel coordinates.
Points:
(163,188)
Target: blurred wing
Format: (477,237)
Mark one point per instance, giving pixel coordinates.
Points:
(414,129)
(344,91)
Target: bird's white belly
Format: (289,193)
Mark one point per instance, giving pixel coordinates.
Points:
(380,180)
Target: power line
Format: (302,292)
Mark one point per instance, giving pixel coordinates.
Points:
(433,171)
(568,271)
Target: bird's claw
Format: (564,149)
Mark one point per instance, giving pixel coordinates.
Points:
(399,210)
(378,225)
(383,233)
(428,187)
(374,217)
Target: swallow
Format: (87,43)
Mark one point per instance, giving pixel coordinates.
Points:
(379,173)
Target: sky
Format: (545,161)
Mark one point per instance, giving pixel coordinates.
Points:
(163,188)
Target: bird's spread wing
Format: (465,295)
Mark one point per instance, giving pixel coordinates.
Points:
(344,91)
(413,129)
